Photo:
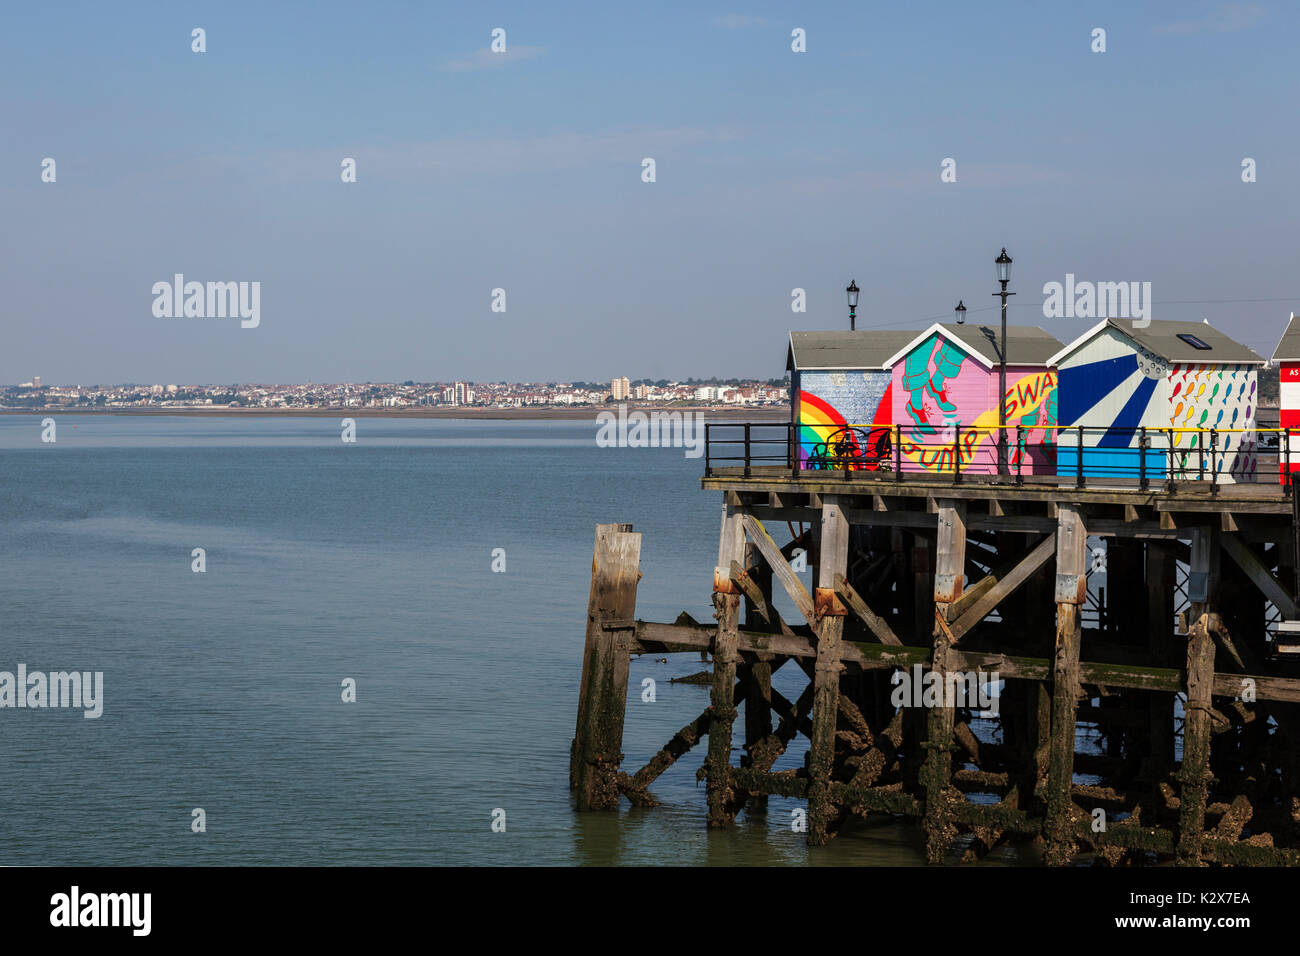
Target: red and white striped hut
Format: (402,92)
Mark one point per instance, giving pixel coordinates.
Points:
(1287,358)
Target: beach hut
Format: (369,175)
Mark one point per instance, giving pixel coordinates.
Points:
(840,395)
(944,397)
(1287,359)
(1176,380)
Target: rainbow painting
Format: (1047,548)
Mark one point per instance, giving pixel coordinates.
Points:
(830,401)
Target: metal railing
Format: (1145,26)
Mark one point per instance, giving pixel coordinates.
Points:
(1140,455)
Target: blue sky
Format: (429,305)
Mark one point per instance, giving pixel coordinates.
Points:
(775,170)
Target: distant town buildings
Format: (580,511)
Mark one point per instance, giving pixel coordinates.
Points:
(33,394)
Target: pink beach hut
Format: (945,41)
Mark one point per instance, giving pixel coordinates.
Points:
(945,400)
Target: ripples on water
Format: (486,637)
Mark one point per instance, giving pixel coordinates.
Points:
(326,561)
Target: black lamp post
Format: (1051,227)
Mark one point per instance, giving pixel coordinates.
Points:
(961,312)
(853,290)
(1003,262)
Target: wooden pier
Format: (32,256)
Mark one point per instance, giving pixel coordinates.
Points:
(1176,667)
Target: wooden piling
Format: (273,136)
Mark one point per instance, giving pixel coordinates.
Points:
(1071,590)
(726,609)
(936,771)
(1040,641)
(830,611)
(758,683)
(596,751)
(1194,777)
(1160,579)
(920,610)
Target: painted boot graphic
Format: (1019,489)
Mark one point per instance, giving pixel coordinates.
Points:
(947,365)
(918,415)
(940,396)
(916,381)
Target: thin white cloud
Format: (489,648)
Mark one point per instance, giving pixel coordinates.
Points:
(1228,18)
(915,180)
(485,59)
(493,155)
(738,21)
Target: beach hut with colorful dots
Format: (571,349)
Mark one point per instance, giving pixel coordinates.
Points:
(1185,389)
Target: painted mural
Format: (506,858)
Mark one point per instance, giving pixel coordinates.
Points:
(838,415)
(938,387)
(1219,397)
(1114,388)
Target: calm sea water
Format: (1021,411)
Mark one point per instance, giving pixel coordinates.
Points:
(327,561)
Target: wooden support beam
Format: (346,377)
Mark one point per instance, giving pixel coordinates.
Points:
(1263,579)
(1219,504)
(760,614)
(972,594)
(1071,591)
(986,602)
(794,719)
(1194,777)
(877,624)
(602,698)
(655,638)
(834,560)
(781,569)
(726,604)
(936,770)
(635,787)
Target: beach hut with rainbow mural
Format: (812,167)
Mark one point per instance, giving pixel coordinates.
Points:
(840,396)
(1165,382)
(855,394)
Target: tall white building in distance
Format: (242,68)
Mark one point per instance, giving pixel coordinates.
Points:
(620,389)
(458,393)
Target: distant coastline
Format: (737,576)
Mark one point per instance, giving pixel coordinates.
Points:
(585,413)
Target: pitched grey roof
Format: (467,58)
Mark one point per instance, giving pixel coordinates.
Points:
(1161,337)
(1026,344)
(863,349)
(1288,349)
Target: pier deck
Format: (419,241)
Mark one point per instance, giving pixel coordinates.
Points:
(1170,684)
